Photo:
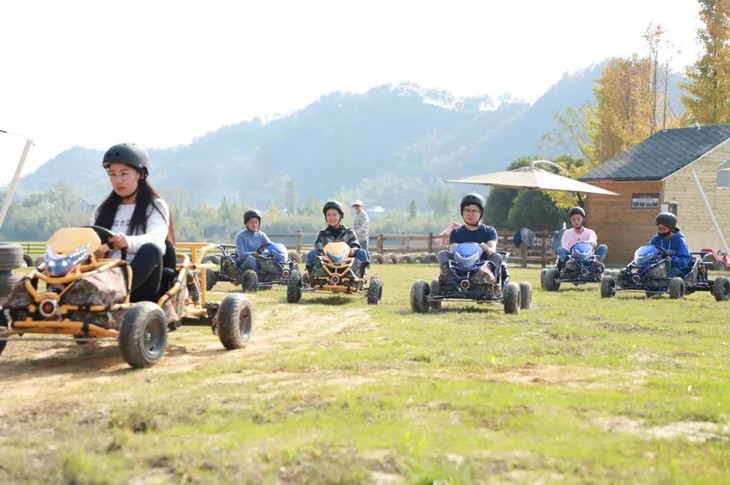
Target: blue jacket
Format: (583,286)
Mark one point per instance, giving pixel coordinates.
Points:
(247,242)
(678,249)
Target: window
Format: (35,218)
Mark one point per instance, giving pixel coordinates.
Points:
(723,175)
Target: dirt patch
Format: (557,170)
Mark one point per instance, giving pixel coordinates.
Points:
(692,431)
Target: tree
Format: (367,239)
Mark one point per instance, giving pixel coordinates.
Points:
(440,201)
(412,209)
(292,192)
(708,86)
(535,210)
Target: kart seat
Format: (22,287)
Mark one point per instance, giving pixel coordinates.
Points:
(169,267)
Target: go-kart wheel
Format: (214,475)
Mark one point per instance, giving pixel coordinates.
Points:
(250,281)
(234,321)
(721,288)
(143,334)
(294,287)
(676,288)
(105,235)
(211,278)
(419,296)
(435,290)
(375,291)
(511,299)
(608,285)
(525,295)
(28,259)
(11,256)
(542,277)
(552,279)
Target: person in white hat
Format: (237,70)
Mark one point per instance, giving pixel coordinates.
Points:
(361,224)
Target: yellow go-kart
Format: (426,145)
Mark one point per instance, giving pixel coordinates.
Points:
(335,272)
(75,293)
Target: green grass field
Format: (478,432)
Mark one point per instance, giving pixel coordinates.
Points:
(577,389)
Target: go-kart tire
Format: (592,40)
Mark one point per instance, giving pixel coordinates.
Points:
(143,334)
(435,290)
(294,287)
(525,295)
(211,259)
(28,260)
(8,281)
(211,278)
(295,256)
(721,288)
(391,258)
(375,291)
(608,285)
(511,299)
(404,259)
(542,277)
(377,258)
(11,256)
(676,288)
(250,281)
(234,321)
(419,296)
(39,261)
(552,279)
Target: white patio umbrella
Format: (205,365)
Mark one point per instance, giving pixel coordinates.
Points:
(532,178)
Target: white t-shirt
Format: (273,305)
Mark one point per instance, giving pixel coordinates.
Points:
(157,227)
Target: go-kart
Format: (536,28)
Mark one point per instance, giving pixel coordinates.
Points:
(460,284)
(274,268)
(78,294)
(649,272)
(335,271)
(580,267)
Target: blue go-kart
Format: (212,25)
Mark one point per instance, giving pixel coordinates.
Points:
(460,285)
(580,267)
(274,268)
(649,272)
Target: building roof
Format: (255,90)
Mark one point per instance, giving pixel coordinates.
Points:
(661,154)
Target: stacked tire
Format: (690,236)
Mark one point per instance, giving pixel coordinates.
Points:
(11,257)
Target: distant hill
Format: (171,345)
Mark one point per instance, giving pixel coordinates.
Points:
(388,146)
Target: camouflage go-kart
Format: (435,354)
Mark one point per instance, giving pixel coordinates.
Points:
(335,272)
(649,272)
(74,293)
(580,267)
(274,268)
(460,284)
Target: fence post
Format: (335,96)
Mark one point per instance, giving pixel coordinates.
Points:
(299,241)
(523,254)
(430,242)
(380,243)
(544,248)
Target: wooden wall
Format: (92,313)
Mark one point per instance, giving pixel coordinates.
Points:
(693,217)
(616,223)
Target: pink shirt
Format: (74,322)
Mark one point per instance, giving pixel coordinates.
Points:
(570,238)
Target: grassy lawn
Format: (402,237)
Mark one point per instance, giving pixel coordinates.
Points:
(579,389)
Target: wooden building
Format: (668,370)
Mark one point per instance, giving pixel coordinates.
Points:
(683,170)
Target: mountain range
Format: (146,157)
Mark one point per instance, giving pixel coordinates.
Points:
(388,146)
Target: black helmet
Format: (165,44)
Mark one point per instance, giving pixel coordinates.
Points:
(475,199)
(668,219)
(128,154)
(334,204)
(251,213)
(576,210)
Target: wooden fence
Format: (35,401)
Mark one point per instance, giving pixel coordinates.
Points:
(399,248)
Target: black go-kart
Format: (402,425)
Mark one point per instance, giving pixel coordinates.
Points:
(649,272)
(274,268)
(460,285)
(580,267)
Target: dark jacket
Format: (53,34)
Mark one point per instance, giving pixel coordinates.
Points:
(341,233)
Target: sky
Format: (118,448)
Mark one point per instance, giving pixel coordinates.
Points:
(161,73)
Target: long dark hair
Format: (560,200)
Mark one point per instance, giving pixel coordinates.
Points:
(146,195)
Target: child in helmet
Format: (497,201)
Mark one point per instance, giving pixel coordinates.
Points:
(249,240)
(670,239)
(333,213)
(138,216)
(472,210)
(579,233)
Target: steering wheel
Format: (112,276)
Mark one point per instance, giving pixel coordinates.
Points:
(263,247)
(105,235)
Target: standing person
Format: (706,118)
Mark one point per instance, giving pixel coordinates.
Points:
(472,210)
(579,233)
(361,224)
(138,217)
(249,240)
(333,213)
(671,239)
